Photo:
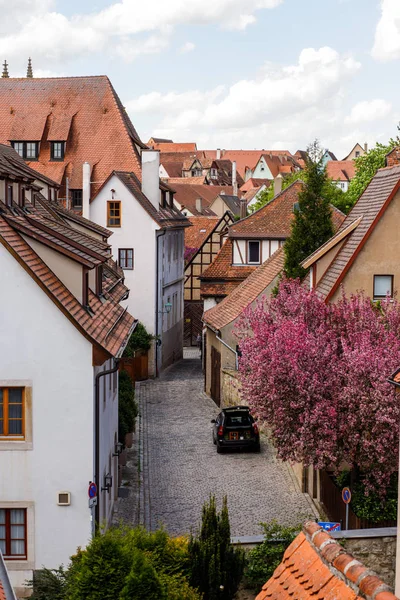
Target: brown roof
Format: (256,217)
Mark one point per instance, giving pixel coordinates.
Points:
(15,168)
(187,194)
(175,146)
(200,230)
(255,182)
(370,206)
(249,158)
(84,111)
(316,567)
(341,170)
(249,195)
(187,180)
(247,292)
(173,167)
(274,219)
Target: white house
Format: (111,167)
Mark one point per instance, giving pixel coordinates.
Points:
(148,244)
(62,329)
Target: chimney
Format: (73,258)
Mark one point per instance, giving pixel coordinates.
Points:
(218,153)
(199,205)
(365,147)
(393,158)
(278,184)
(29,72)
(243,208)
(86,190)
(5,74)
(151,176)
(234,180)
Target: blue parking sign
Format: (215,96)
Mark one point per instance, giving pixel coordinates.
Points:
(329,525)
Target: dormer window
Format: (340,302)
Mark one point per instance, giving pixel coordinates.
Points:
(27,150)
(9,193)
(57,150)
(253,252)
(196,173)
(214,174)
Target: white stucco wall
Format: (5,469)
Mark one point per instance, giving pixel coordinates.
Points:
(137,232)
(40,348)
(239,252)
(262,170)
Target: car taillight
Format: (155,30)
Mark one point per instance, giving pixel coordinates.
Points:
(220,430)
(255,427)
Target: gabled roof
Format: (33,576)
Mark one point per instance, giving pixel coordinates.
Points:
(274,219)
(187,194)
(231,307)
(200,230)
(249,158)
(341,170)
(329,153)
(370,206)
(352,150)
(255,182)
(250,194)
(173,167)
(316,567)
(85,111)
(232,202)
(156,140)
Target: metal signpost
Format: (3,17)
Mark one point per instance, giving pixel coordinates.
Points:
(330,525)
(92,493)
(346,497)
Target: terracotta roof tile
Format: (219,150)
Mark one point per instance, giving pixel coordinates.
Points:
(200,230)
(175,146)
(255,183)
(247,292)
(222,268)
(249,158)
(304,574)
(187,180)
(187,194)
(341,170)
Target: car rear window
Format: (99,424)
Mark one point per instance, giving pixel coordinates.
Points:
(238,419)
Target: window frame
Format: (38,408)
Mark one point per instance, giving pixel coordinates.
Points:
(24,154)
(72,198)
(121,260)
(5,403)
(380,297)
(8,539)
(248,252)
(109,216)
(52,153)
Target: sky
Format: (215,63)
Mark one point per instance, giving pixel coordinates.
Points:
(239,74)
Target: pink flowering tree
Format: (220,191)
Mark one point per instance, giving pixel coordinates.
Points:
(317,375)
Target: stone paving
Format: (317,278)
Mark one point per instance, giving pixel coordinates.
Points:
(180,467)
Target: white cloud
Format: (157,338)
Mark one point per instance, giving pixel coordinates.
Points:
(188,47)
(387,35)
(119,27)
(369,110)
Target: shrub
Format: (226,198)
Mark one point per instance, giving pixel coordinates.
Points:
(140,340)
(264,559)
(127,407)
(142,581)
(367,504)
(49,584)
(217,567)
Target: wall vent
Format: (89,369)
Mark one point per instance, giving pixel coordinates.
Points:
(63,498)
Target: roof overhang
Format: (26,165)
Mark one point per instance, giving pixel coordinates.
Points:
(341,235)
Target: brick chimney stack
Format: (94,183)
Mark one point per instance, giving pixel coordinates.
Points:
(393,158)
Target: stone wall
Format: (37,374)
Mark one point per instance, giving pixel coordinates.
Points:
(230,388)
(377,553)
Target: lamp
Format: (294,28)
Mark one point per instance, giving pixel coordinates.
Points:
(107,483)
(117,449)
(168,307)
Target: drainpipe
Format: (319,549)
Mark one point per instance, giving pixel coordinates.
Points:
(159,234)
(97,438)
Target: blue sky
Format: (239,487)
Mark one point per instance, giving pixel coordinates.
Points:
(225,73)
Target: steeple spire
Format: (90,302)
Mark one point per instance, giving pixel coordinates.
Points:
(5,70)
(29,72)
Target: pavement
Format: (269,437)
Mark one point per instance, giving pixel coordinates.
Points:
(180,468)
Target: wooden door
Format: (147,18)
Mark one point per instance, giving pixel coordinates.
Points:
(216,376)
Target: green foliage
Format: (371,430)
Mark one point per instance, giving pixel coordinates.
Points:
(140,341)
(369,505)
(215,562)
(366,167)
(142,581)
(49,583)
(312,223)
(127,406)
(266,195)
(264,559)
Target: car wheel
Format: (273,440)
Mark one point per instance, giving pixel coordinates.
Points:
(219,449)
(257,448)
(214,441)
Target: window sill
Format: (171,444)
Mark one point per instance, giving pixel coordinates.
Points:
(19,564)
(6,445)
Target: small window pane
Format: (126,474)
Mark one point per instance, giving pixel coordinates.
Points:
(15,395)
(17,516)
(383,285)
(19,147)
(18,547)
(3,546)
(31,150)
(2,516)
(254,252)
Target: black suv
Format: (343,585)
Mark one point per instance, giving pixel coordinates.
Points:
(235,428)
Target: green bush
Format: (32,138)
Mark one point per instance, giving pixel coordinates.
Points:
(142,581)
(49,583)
(217,567)
(127,407)
(140,341)
(264,559)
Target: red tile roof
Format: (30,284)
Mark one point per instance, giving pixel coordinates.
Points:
(221,277)
(200,230)
(84,111)
(370,207)
(187,194)
(341,170)
(316,567)
(173,167)
(175,146)
(274,219)
(187,180)
(249,158)
(254,182)
(247,292)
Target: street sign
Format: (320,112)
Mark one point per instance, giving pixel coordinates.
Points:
(329,525)
(92,502)
(346,495)
(92,490)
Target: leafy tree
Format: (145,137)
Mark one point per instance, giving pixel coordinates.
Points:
(266,195)
(217,567)
(317,374)
(263,560)
(312,223)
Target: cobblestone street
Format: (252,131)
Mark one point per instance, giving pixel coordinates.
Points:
(180,466)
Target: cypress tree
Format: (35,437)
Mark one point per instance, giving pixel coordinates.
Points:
(312,223)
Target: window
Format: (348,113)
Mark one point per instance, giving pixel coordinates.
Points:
(357,153)
(57,150)
(76,196)
(253,253)
(196,173)
(9,194)
(12,413)
(114,214)
(28,150)
(13,533)
(214,173)
(125,258)
(383,286)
